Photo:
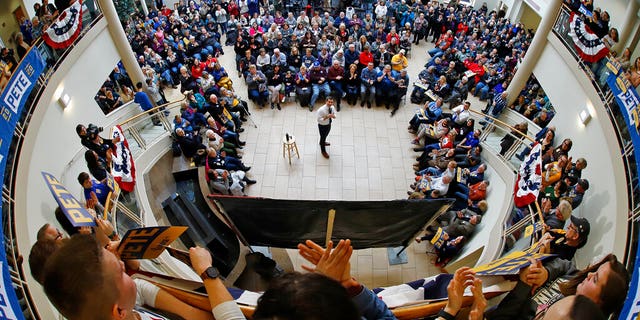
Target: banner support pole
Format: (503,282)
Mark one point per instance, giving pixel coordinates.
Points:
(330,219)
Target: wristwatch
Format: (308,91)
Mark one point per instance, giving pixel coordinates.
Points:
(210,273)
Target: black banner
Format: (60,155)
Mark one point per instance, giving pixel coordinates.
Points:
(369,224)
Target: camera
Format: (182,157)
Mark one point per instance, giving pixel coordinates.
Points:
(93,131)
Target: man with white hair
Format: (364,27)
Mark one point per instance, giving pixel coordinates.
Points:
(278,58)
(215,141)
(351,55)
(335,75)
(461,114)
(339,57)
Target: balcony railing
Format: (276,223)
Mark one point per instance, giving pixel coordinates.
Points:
(14,258)
(627,147)
(561,30)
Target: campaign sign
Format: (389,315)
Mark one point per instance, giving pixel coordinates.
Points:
(509,264)
(77,214)
(438,239)
(13,98)
(148,242)
(631,309)
(9,306)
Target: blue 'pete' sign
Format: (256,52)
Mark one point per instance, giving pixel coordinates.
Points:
(629,104)
(13,98)
(12,101)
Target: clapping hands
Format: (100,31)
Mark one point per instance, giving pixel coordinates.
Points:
(333,263)
(462,278)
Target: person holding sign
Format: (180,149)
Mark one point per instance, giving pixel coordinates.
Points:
(85,281)
(94,191)
(605,283)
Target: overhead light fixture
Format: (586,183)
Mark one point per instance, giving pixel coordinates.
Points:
(585,116)
(64,100)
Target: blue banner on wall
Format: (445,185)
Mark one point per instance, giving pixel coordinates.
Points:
(629,103)
(631,308)
(12,101)
(14,97)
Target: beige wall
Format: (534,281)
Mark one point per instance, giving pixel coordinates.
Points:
(8,24)
(529,18)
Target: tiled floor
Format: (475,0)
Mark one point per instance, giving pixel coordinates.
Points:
(371,159)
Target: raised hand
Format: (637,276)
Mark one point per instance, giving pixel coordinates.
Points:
(331,263)
(535,274)
(462,278)
(479,301)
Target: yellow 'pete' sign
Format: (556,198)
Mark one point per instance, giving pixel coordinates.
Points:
(148,242)
(72,208)
(510,264)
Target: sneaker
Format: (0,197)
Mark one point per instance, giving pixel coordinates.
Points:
(310,108)
(273,106)
(278,106)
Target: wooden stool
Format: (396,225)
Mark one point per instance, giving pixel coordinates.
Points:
(288,146)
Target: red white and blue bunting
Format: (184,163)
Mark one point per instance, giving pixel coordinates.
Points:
(66,28)
(588,45)
(529,178)
(122,167)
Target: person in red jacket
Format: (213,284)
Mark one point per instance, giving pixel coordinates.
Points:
(476,68)
(365,57)
(197,68)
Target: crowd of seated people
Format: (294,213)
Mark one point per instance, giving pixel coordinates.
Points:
(208,131)
(449,167)
(118,89)
(476,54)
(562,190)
(344,56)
(450,164)
(534,104)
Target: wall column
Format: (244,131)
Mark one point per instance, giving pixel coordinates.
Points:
(145,9)
(624,31)
(121,42)
(535,50)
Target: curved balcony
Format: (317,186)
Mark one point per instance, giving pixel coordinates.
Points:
(149,143)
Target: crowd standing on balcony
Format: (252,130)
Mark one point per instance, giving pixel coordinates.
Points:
(355,58)
(598,22)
